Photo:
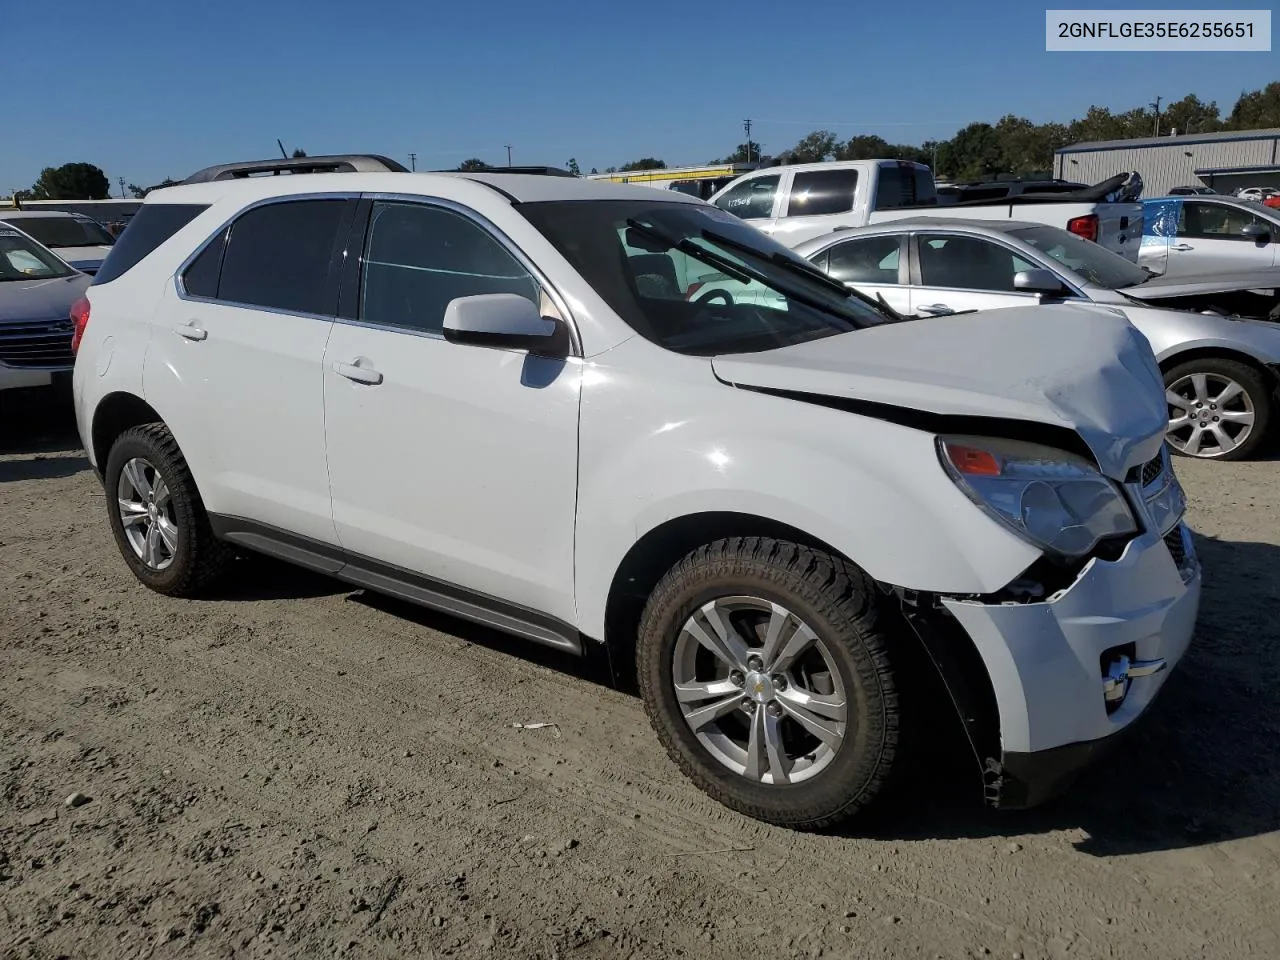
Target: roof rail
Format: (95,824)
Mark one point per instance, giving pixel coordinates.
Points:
(540,171)
(337,163)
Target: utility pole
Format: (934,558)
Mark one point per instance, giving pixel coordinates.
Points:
(122,188)
(413,162)
(746,125)
(1156,107)
(508,154)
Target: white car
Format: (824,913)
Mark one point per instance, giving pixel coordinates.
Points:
(776,516)
(77,239)
(799,202)
(37,290)
(1222,373)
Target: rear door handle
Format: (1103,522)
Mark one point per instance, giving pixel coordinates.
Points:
(357,373)
(1182,246)
(191,331)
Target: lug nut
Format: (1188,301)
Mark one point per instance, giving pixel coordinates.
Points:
(1215,419)
(748,704)
(775,710)
(755,663)
(779,682)
(736,678)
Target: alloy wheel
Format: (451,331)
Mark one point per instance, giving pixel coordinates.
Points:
(146,514)
(759,689)
(1209,415)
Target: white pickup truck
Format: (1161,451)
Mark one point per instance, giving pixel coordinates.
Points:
(805,200)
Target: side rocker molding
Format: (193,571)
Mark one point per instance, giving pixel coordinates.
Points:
(400,583)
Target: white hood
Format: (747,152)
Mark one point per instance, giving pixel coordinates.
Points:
(1078,367)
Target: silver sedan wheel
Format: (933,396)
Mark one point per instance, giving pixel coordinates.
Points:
(759,690)
(1209,415)
(146,513)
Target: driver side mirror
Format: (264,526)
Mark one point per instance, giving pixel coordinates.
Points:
(506,321)
(1041,281)
(1256,232)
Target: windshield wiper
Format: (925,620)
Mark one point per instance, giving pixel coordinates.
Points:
(805,269)
(685,245)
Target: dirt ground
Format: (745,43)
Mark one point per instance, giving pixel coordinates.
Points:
(297,769)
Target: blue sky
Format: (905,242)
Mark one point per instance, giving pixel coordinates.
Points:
(152,89)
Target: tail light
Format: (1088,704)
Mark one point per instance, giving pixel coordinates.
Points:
(80,320)
(693,289)
(1086,226)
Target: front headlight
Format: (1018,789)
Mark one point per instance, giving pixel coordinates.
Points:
(1054,499)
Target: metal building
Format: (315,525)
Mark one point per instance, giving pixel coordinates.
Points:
(1223,161)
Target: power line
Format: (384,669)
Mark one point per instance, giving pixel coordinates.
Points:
(864,123)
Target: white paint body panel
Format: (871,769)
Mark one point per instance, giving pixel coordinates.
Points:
(459,466)
(249,395)
(1043,657)
(529,480)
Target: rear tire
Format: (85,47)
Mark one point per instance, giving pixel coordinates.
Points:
(157,516)
(787,758)
(1202,425)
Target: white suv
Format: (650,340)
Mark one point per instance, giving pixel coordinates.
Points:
(781,515)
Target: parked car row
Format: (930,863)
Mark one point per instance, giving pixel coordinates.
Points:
(528,401)
(37,290)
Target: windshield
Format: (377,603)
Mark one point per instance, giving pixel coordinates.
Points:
(65,231)
(696,280)
(1095,264)
(22,259)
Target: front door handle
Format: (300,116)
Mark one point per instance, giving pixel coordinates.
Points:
(1182,246)
(191,331)
(357,373)
(934,309)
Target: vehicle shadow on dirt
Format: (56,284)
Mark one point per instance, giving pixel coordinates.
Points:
(38,420)
(1197,770)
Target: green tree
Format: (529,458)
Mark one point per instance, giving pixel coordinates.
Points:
(644,163)
(299,153)
(1190,115)
(473,165)
(744,153)
(573,167)
(863,146)
(71,181)
(973,153)
(1256,110)
(814,147)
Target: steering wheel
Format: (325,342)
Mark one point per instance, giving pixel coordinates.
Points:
(715,295)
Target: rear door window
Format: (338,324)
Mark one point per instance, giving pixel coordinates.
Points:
(905,185)
(868,260)
(752,199)
(822,192)
(148,228)
(280,256)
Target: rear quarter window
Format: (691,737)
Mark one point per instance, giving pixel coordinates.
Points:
(148,228)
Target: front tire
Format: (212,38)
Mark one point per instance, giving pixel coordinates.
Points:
(768,676)
(1218,409)
(157,516)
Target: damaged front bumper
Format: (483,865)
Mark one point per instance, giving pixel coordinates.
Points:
(1069,673)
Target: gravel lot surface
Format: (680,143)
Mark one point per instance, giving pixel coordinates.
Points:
(297,769)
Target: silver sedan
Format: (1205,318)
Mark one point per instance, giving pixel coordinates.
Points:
(1221,372)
